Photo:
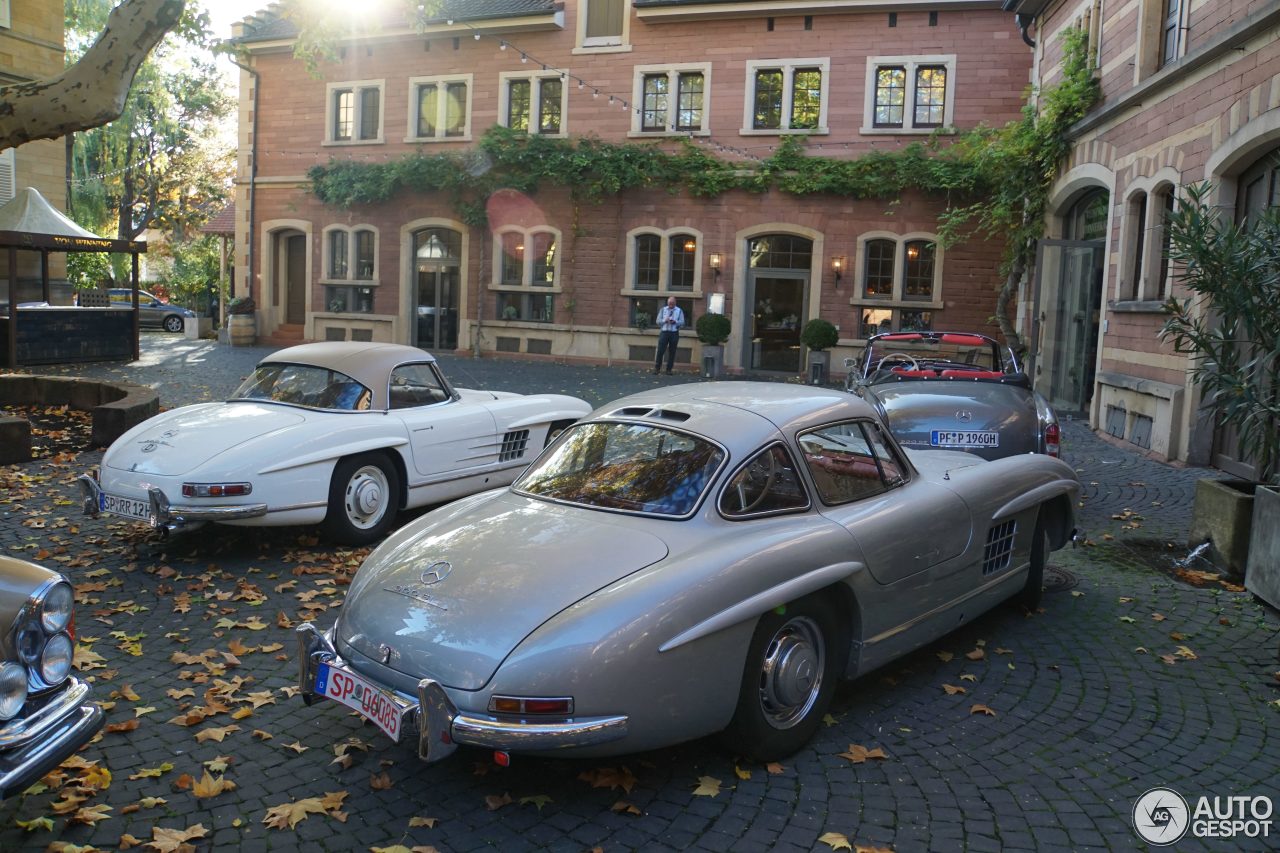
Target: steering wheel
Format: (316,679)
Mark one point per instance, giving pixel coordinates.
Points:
(898,356)
(751,474)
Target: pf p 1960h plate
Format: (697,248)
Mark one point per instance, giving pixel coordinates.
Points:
(964,438)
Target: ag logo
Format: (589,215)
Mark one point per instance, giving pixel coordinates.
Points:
(436,572)
(1161,816)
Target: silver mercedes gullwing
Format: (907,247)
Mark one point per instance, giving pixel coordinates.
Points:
(690,560)
(341,433)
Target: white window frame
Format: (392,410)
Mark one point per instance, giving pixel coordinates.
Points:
(897,299)
(326,276)
(789,67)
(673,73)
(441,80)
(356,86)
(664,262)
(612,44)
(910,63)
(535,102)
(526,284)
(9,172)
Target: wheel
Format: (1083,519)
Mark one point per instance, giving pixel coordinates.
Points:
(792,665)
(363,498)
(1031,593)
(173,323)
(553,432)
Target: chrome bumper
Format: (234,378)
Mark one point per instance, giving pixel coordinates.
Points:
(441,727)
(171,517)
(31,747)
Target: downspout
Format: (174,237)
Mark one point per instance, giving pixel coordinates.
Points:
(253,188)
(1023,21)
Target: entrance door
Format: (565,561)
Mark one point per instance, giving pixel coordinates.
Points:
(438,260)
(1069,297)
(295,310)
(777,300)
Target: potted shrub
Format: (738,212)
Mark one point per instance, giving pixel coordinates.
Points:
(712,331)
(1230,328)
(819,336)
(643,321)
(242,326)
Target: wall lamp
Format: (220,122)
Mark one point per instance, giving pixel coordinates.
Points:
(837,266)
(715,260)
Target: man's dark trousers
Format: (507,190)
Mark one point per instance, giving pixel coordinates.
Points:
(667,342)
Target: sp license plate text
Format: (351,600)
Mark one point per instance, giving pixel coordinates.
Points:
(964,438)
(371,702)
(127,507)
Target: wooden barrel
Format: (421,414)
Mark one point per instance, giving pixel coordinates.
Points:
(243,329)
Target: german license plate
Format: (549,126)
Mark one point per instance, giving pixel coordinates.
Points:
(964,438)
(373,703)
(127,507)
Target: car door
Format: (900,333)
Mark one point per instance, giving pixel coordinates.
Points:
(148,317)
(449,438)
(906,528)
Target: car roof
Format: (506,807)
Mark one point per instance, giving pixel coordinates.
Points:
(739,415)
(370,364)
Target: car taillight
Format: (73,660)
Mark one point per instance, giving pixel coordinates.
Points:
(1053,440)
(527,705)
(216,490)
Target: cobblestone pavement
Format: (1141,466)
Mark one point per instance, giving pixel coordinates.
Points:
(1130,678)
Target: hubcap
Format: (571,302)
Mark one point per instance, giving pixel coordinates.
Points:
(791,672)
(366,497)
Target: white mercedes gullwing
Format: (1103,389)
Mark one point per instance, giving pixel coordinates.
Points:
(339,433)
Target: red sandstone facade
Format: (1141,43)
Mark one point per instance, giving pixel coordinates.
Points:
(548,278)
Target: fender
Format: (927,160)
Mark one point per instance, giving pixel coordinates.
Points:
(333,453)
(750,608)
(545,418)
(1038,495)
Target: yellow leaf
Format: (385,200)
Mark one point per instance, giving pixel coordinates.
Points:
(1176,637)
(291,814)
(296,747)
(952,690)
(969,677)
(829,720)
(859,754)
(127,693)
(1184,652)
(91,814)
(624,806)
(744,775)
(219,764)
(36,823)
(836,841)
(261,735)
(428,822)
(708,786)
(539,800)
(215,733)
(1158,617)
(173,840)
(151,772)
(241,713)
(1075,593)
(208,786)
(175,694)
(1128,619)
(982,709)
(138,712)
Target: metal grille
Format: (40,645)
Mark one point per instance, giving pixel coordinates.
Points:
(999,547)
(513,445)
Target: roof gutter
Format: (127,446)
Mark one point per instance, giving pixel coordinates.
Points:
(1025,13)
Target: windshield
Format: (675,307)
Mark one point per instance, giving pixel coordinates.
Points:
(305,385)
(928,356)
(626,466)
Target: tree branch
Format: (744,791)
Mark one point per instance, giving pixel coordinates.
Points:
(92,92)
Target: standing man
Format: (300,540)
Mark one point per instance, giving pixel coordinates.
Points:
(670,320)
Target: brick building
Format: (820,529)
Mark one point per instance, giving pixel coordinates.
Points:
(1191,92)
(31,48)
(548,276)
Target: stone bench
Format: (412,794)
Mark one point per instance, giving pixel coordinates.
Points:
(116,407)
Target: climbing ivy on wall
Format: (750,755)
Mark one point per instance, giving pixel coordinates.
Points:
(995,181)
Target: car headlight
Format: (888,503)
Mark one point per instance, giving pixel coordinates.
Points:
(13,689)
(55,611)
(55,662)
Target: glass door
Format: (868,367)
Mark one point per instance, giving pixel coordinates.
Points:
(437,255)
(1069,296)
(777,301)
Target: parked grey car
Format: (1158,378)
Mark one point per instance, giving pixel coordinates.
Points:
(45,713)
(152,313)
(956,391)
(689,560)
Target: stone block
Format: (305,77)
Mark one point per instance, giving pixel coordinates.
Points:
(15,440)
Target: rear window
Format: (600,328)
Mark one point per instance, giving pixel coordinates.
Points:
(623,466)
(305,385)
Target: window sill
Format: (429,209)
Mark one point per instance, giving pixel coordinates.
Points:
(525,288)
(564,134)
(353,315)
(862,302)
(466,137)
(601,48)
(666,134)
(1138,306)
(678,294)
(868,130)
(341,143)
(350,282)
(784,131)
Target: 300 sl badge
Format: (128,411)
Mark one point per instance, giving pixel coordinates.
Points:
(417,593)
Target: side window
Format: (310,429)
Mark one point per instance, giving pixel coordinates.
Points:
(849,461)
(766,484)
(415,385)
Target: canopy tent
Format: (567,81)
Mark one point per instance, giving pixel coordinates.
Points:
(29,223)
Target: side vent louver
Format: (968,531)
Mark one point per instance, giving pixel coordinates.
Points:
(999,550)
(513,445)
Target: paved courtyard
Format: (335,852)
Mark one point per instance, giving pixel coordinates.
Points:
(1131,677)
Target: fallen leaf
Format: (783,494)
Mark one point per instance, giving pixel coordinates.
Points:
(708,786)
(858,754)
(380,782)
(1169,659)
(1176,637)
(1004,651)
(296,747)
(1186,653)
(36,823)
(175,840)
(608,777)
(836,841)
(215,733)
(209,786)
(151,772)
(775,769)
(428,822)
(1075,593)
(539,800)
(91,814)
(969,677)
(1158,617)
(744,775)
(1128,619)
(976,654)
(953,690)
(624,806)
(1142,650)
(982,709)
(945,657)
(125,726)
(292,813)
(493,802)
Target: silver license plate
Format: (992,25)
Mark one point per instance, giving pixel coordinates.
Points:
(365,698)
(964,438)
(126,507)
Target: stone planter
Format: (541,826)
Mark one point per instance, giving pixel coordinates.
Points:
(1223,515)
(712,360)
(819,367)
(197,327)
(243,329)
(1262,576)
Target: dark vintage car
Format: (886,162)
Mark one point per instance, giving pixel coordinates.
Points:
(954,391)
(45,714)
(152,313)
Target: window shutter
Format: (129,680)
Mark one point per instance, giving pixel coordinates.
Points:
(8,182)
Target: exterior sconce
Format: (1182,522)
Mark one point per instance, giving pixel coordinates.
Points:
(837,266)
(715,261)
